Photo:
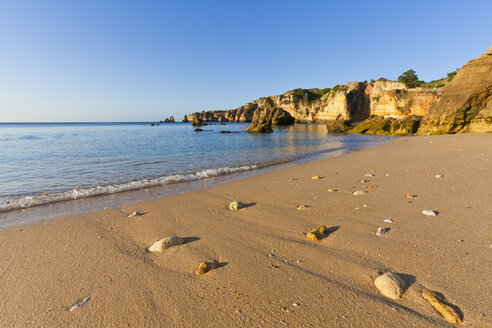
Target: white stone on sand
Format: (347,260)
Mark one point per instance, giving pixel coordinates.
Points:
(165,243)
(390,285)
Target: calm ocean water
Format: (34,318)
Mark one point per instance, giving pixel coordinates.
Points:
(41,163)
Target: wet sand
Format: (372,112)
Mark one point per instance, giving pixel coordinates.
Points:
(270,274)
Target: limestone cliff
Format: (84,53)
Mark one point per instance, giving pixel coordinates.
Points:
(394,99)
(466,103)
(353,102)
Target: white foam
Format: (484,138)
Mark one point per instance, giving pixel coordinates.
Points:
(29,201)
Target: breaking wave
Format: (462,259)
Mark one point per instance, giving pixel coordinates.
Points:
(46,198)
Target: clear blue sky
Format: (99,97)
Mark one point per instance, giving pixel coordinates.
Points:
(146,60)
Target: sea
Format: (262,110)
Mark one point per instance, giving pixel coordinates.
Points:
(47,163)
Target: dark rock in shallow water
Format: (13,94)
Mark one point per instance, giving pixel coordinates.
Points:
(225,131)
(337,127)
(196,121)
(198,130)
(281,117)
(262,121)
(222,124)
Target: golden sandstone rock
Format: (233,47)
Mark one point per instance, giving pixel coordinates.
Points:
(447,311)
(205,267)
(317,233)
(235,205)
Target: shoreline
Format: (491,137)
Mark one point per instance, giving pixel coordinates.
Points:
(88,204)
(270,274)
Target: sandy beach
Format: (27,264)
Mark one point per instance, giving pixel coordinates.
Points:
(269,274)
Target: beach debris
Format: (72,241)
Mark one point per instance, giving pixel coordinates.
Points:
(318,233)
(76,306)
(165,243)
(364,181)
(295,304)
(439,303)
(365,205)
(292,179)
(316,177)
(303,207)
(372,186)
(274,266)
(136,213)
(388,220)
(380,231)
(235,205)
(332,190)
(369,175)
(205,267)
(439,176)
(411,196)
(429,212)
(390,285)
(359,192)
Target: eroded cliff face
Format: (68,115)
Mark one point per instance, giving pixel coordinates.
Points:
(353,102)
(394,99)
(466,103)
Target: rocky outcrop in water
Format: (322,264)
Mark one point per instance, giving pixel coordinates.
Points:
(466,102)
(197,121)
(263,119)
(169,120)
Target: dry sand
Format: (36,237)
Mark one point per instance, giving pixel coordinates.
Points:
(269,274)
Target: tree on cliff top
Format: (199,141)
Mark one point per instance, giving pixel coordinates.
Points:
(410,78)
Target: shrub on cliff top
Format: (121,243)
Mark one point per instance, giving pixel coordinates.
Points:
(410,78)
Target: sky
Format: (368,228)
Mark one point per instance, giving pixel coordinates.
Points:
(90,61)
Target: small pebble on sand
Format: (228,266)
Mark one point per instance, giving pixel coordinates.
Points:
(316,177)
(380,231)
(235,205)
(205,267)
(387,174)
(359,192)
(302,207)
(388,220)
(292,179)
(317,233)
(136,213)
(364,181)
(166,243)
(429,212)
(369,175)
(411,196)
(439,176)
